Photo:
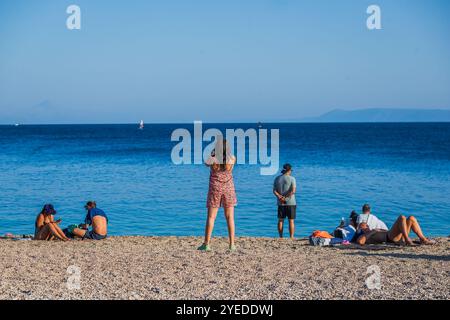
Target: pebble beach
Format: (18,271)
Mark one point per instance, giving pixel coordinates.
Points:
(260,268)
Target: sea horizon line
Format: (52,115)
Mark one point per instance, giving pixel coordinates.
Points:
(223,122)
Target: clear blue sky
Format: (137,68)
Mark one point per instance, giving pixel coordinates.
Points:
(177,60)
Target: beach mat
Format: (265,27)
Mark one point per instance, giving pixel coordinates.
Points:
(13,237)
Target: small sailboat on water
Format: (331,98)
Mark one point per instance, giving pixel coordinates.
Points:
(141,125)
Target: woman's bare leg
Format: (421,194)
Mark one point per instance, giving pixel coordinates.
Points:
(229,215)
(50,235)
(61,233)
(212,214)
(43,234)
(400,230)
(414,225)
(57,232)
(54,235)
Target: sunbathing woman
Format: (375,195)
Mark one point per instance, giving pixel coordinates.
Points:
(397,234)
(46,228)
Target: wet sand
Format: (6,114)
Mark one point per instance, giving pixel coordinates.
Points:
(261,268)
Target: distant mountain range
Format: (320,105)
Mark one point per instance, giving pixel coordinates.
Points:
(383,115)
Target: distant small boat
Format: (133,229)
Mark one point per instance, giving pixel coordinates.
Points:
(16,125)
(141,125)
(260,125)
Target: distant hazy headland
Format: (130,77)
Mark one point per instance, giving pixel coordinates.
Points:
(46,112)
(383,115)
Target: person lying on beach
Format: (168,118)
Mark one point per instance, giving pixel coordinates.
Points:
(399,233)
(46,228)
(96,218)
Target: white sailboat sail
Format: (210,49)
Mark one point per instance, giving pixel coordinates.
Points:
(141,124)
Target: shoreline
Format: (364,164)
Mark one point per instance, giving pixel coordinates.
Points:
(152,267)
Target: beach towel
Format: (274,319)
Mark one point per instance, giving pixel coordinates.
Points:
(10,236)
(325,242)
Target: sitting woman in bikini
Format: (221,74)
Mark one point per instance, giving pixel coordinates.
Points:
(46,228)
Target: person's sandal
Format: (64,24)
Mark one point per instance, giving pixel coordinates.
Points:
(204,247)
(232,248)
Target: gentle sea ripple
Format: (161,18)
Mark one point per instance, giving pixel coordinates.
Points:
(397,168)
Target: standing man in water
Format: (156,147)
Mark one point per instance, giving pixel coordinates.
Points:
(284,188)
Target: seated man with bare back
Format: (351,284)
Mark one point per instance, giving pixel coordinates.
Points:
(96,218)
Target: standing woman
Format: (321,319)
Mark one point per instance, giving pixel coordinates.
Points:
(221,191)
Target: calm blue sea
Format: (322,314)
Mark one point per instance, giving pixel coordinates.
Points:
(397,168)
